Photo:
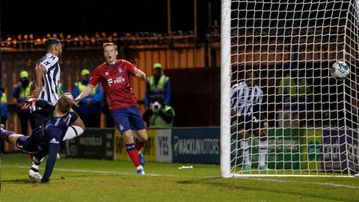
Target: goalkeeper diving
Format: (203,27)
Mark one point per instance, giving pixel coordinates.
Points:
(63,124)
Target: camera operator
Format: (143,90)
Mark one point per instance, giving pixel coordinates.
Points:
(159,113)
(159,116)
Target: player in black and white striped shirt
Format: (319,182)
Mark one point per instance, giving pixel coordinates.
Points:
(246,99)
(47,78)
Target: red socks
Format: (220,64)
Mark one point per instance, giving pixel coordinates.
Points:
(133,153)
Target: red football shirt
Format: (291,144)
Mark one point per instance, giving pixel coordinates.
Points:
(115,81)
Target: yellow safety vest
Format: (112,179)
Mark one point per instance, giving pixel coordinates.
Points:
(303,88)
(59,89)
(3,98)
(24,93)
(161,83)
(287,86)
(157,92)
(82,87)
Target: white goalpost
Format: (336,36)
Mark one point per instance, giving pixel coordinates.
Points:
(302,121)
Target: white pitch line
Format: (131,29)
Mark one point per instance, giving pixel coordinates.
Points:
(98,171)
(166,175)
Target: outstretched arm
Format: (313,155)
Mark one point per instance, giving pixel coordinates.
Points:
(84,93)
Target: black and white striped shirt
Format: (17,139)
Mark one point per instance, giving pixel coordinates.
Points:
(243,97)
(50,79)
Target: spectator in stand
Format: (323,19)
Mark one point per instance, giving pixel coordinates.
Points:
(21,92)
(293,93)
(61,89)
(158,88)
(110,123)
(4,111)
(158,112)
(89,108)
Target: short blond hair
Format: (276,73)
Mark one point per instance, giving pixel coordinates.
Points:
(109,44)
(65,103)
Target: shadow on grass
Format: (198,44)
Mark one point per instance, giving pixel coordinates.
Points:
(220,182)
(19,181)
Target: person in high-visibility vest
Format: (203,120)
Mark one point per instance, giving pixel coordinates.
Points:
(61,89)
(158,90)
(293,93)
(158,87)
(4,111)
(21,92)
(90,108)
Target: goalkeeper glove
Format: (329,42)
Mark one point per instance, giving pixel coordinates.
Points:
(29,104)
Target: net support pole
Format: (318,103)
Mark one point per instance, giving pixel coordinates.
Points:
(225,87)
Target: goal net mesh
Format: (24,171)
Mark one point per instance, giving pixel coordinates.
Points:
(306,122)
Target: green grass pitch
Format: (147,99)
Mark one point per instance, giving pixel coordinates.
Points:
(102,180)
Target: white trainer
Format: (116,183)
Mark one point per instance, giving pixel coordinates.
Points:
(140,170)
(34,176)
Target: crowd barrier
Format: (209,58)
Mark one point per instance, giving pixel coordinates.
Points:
(329,150)
(182,145)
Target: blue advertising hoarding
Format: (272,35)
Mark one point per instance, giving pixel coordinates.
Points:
(196,145)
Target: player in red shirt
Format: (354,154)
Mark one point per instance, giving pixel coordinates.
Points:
(114,77)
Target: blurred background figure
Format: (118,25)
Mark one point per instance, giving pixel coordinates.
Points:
(293,93)
(3,106)
(158,112)
(21,92)
(89,108)
(61,89)
(159,116)
(105,109)
(158,87)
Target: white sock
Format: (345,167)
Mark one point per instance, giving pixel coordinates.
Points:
(139,167)
(245,149)
(263,150)
(35,167)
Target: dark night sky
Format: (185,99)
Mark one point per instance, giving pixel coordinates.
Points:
(87,16)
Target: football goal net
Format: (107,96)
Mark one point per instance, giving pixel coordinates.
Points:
(282,111)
